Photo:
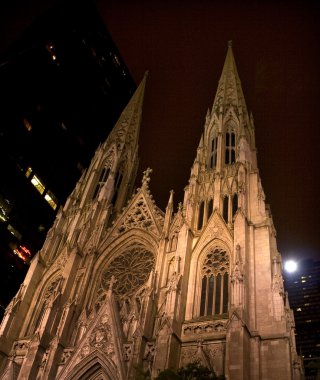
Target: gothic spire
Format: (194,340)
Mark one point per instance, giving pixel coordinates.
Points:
(117,158)
(229,90)
(126,130)
(168,215)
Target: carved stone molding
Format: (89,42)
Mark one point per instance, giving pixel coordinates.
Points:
(100,338)
(202,328)
(127,351)
(149,354)
(138,217)
(209,354)
(67,352)
(20,348)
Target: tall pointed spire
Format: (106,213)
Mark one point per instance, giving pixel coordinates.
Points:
(117,158)
(168,215)
(127,127)
(229,90)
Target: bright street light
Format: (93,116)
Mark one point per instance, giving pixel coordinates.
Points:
(290,266)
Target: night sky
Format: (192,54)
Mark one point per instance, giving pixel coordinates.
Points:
(183,45)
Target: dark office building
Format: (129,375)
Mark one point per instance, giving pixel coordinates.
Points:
(303,287)
(63,86)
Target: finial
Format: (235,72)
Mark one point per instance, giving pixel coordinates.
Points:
(208,116)
(170,201)
(230,43)
(146,177)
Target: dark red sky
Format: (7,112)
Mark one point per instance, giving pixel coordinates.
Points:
(183,45)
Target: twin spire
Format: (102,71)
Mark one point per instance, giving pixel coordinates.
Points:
(229,93)
(125,134)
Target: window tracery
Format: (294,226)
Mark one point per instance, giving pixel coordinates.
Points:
(204,212)
(48,299)
(104,174)
(229,207)
(214,283)
(138,217)
(131,270)
(117,184)
(230,146)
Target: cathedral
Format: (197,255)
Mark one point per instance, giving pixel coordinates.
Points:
(121,287)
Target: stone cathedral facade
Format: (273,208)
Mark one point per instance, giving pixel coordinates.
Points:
(120,285)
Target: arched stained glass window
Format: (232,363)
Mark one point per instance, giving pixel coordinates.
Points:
(215,283)
(131,270)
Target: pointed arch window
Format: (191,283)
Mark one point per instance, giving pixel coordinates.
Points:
(200,215)
(39,317)
(117,184)
(234,204)
(215,283)
(230,152)
(102,180)
(225,209)
(213,154)
(48,301)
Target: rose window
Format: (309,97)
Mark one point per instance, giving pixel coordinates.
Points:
(131,270)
